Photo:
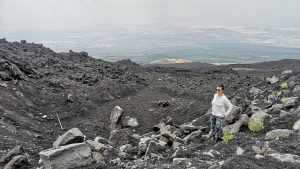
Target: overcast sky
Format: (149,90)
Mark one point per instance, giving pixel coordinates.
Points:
(16,15)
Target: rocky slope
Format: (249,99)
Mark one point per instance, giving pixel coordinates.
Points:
(163,115)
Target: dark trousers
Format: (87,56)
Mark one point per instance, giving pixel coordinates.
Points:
(216,126)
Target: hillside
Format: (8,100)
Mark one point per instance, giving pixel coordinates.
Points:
(39,87)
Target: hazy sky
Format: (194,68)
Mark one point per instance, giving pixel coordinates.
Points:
(16,15)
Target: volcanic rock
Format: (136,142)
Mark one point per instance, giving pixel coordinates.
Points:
(74,135)
(234,128)
(68,156)
(278,133)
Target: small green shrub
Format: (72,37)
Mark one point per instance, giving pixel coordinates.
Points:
(227,136)
(284,85)
(256,125)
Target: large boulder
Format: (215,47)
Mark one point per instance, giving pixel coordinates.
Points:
(72,136)
(235,128)
(233,114)
(115,117)
(69,156)
(296,125)
(278,133)
(258,114)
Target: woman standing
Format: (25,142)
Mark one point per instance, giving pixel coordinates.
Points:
(219,105)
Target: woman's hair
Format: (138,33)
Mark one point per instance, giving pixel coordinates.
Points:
(221,85)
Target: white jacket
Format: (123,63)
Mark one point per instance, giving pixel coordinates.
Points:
(219,104)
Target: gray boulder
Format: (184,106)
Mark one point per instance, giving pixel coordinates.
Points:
(115,117)
(235,128)
(274,79)
(296,125)
(278,133)
(258,114)
(234,113)
(69,156)
(95,145)
(74,135)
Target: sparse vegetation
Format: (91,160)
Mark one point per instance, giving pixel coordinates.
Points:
(284,100)
(256,125)
(227,136)
(284,85)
